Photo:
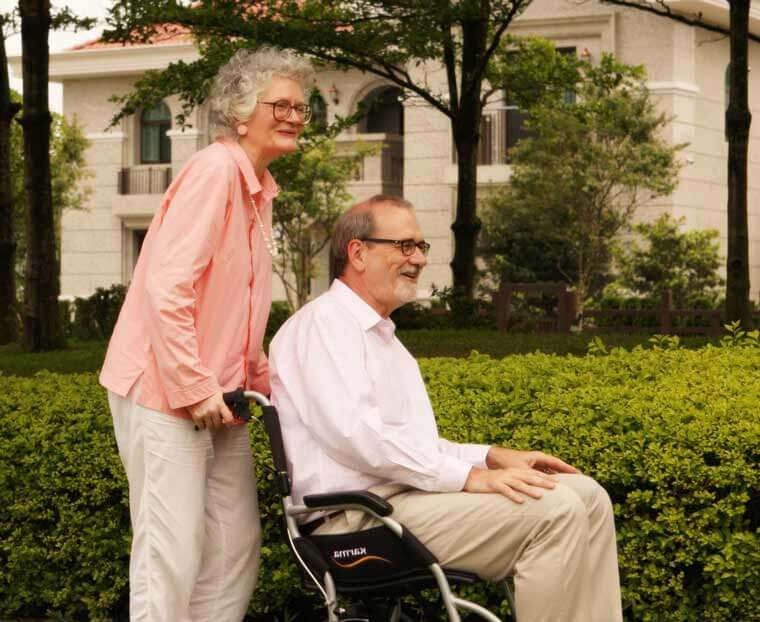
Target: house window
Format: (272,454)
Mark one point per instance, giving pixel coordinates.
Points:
(134,231)
(155,146)
(318,108)
(139,238)
(514,118)
(384,112)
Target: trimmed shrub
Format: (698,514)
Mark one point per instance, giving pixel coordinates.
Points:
(672,434)
(93,317)
(64,518)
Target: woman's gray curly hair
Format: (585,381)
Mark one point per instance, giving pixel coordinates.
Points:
(241,80)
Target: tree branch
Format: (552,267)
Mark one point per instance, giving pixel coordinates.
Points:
(663,10)
(480,71)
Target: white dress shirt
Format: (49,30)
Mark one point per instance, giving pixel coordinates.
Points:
(353,407)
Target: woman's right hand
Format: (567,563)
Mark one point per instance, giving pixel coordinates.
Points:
(211,413)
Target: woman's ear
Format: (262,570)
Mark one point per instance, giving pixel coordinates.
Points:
(357,251)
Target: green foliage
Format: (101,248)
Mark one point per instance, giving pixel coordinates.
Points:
(380,37)
(686,263)
(463,312)
(94,317)
(78,357)
(278,314)
(64,523)
(399,42)
(672,437)
(737,337)
(521,246)
(425,339)
(193,78)
(533,72)
(313,194)
(606,158)
(68,176)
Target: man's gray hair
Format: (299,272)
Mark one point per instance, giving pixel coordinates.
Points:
(241,80)
(354,224)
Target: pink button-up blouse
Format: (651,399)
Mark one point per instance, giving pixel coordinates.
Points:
(194,317)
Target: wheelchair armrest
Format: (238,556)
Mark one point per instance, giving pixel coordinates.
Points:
(363,498)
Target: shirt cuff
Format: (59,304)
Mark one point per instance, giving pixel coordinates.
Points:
(454,474)
(474,454)
(186,396)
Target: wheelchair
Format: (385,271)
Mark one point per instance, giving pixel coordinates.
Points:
(374,567)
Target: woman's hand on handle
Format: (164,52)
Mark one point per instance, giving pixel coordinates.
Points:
(211,413)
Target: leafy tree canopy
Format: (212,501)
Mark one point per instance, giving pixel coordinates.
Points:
(438,51)
(68,174)
(589,163)
(390,38)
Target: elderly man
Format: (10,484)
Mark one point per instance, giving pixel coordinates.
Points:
(355,415)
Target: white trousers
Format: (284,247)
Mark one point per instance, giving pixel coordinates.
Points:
(196,534)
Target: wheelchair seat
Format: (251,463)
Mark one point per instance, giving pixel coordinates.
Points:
(383,562)
(374,560)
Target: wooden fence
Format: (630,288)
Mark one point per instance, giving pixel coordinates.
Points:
(665,319)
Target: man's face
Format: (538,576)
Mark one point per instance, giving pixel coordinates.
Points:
(390,276)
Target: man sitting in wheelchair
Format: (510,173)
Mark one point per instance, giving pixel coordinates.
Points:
(355,414)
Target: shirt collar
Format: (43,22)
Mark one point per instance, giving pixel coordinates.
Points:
(266,186)
(368,318)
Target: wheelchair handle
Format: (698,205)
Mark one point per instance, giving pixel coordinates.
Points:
(238,402)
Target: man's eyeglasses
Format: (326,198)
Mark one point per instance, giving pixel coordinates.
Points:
(282,109)
(407,246)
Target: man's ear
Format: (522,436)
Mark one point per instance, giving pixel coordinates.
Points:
(357,252)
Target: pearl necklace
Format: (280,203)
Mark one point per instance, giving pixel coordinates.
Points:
(268,242)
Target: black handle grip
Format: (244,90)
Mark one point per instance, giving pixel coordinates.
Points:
(238,404)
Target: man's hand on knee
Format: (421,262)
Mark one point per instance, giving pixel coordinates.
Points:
(513,483)
(503,458)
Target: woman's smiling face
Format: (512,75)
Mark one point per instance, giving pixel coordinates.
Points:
(267,136)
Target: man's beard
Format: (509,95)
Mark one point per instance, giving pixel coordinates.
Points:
(406,291)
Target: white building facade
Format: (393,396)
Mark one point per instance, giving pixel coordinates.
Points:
(133,163)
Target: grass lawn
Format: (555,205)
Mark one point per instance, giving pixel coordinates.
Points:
(80,356)
(87,356)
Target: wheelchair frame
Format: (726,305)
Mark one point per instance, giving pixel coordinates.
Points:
(364,501)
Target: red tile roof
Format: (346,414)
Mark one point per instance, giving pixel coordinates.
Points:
(167,34)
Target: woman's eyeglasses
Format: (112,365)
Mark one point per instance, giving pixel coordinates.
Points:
(282,109)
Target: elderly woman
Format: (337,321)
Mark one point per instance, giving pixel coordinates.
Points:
(192,327)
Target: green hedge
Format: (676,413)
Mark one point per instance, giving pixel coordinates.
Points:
(93,317)
(673,434)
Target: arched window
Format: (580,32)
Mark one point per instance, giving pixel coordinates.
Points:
(318,108)
(155,146)
(384,112)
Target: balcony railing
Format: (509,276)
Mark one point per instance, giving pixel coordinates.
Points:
(142,180)
(500,129)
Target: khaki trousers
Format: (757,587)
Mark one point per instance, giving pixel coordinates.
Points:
(195,521)
(559,549)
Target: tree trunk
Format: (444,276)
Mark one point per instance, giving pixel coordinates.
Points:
(42,326)
(738,119)
(466,128)
(8,305)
